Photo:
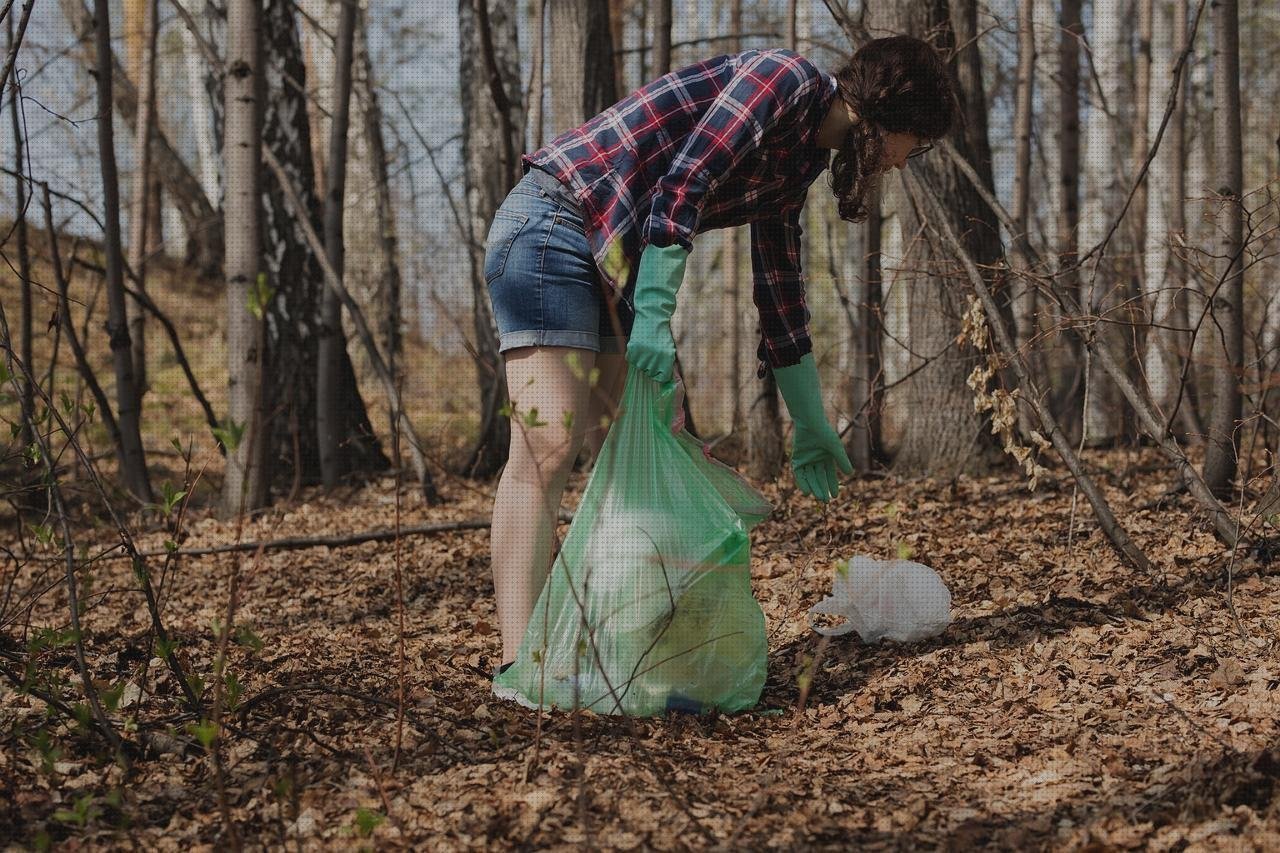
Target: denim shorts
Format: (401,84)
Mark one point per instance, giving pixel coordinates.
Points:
(542,280)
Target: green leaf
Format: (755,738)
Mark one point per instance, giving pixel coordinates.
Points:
(246,637)
(111,696)
(170,545)
(575,364)
(568,420)
(260,295)
(205,732)
(233,690)
(177,445)
(506,409)
(531,419)
(5,375)
(229,434)
(367,820)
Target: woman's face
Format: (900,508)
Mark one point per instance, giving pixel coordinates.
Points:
(896,148)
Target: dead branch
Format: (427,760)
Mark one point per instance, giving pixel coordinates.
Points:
(927,201)
(1152,424)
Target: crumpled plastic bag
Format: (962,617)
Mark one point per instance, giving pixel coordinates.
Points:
(649,600)
(895,599)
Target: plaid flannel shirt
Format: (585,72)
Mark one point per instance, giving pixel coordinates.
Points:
(724,142)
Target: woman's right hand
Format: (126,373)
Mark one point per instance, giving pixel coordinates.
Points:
(651,346)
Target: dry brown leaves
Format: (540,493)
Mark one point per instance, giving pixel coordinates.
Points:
(1071,705)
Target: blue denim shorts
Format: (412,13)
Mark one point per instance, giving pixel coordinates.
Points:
(542,280)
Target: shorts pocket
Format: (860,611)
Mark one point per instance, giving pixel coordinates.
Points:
(506,226)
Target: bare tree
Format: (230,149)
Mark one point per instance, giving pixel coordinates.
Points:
(24,253)
(201,220)
(328,415)
(538,12)
(1160,362)
(661,38)
(1025,300)
(942,435)
(133,462)
(1220,460)
(492,124)
(245,485)
(391,285)
(1071,31)
(1102,288)
(141,29)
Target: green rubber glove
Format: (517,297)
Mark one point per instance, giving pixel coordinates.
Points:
(651,346)
(816,450)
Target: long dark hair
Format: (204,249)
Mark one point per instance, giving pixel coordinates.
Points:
(898,84)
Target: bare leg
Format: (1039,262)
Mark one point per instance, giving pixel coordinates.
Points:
(533,481)
(605,397)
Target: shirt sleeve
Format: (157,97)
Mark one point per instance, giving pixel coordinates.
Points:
(779,290)
(765,87)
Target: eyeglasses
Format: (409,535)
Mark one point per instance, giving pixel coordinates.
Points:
(919,149)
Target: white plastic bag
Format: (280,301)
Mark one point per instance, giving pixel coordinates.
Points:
(898,599)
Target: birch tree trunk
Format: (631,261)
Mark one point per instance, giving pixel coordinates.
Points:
(141,28)
(1025,298)
(1102,287)
(1220,460)
(391,283)
(201,220)
(1160,361)
(244,486)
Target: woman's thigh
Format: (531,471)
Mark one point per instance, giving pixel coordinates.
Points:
(548,389)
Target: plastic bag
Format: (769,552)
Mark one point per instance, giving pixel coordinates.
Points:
(898,599)
(648,603)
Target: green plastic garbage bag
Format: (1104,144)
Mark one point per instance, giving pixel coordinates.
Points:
(648,604)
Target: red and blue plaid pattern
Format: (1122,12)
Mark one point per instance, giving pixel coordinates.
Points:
(724,142)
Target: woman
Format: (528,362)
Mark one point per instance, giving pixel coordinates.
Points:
(588,252)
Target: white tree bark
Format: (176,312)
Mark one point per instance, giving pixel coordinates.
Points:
(1103,196)
(1160,362)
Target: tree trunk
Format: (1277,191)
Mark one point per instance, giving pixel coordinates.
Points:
(661,38)
(766,448)
(245,485)
(1102,286)
(1070,401)
(202,222)
(141,29)
(389,292)
(493,122)
(133,462)
(1228,334)
(942,435)
(293,314)
(1143,132)
(332,339)
(201,88)
(1160,362)
(582,79)
(537,113)
(24,253)
(1025,300)
(734,273)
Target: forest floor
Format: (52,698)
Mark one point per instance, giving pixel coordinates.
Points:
(1071,705)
